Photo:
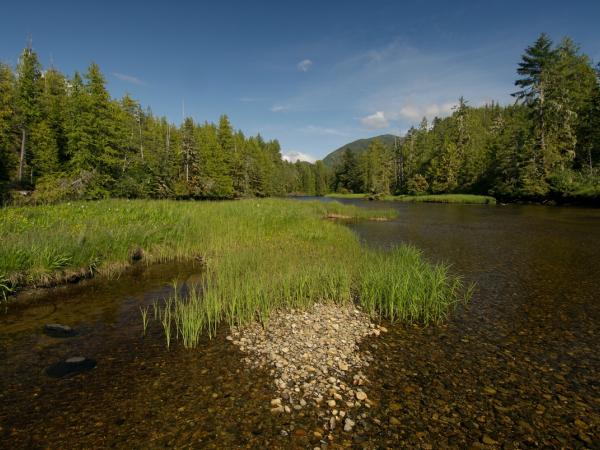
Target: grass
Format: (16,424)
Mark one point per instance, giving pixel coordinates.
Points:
(441,198)
(259,255)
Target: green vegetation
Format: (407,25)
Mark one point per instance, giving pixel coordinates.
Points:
(442,198)
(258,255)
(546,146)
(423,292)
(357,147)
(65,138)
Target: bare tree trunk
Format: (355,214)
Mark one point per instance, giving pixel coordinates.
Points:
(141,141)
(168,138)
(187,164)
(22,155)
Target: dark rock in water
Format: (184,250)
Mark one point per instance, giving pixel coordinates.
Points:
(75,364)
(137,254)
(59,331)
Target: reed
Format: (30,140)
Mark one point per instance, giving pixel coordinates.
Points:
(144,313)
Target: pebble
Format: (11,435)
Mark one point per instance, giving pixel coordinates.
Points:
(361,395)
(306,351)
(348,424)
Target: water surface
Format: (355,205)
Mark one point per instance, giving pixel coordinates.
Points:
(518,366)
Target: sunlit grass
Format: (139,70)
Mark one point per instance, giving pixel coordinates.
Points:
(258,256)
(441,198)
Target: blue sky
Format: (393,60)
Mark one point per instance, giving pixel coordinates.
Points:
(313,74)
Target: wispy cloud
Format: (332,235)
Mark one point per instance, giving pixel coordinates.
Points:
(375,121)
(304,65)
(279,108)
(293,156)
(129,79)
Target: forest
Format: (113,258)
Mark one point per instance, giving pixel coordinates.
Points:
(65,138)
(545,146)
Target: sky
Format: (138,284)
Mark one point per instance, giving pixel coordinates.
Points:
(313,74)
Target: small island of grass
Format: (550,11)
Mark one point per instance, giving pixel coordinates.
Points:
(441,198)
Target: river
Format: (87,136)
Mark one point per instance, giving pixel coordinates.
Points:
(517,367)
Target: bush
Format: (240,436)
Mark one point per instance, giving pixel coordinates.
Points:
(417,185)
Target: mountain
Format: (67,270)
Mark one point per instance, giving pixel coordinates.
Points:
(357,147)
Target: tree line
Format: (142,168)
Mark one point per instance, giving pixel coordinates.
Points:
(544,146)
(66,138)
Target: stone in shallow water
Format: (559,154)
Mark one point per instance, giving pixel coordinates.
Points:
(59,331)
(75,364)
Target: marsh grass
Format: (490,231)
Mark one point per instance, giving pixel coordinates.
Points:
(258,256)
(401,285)
(441,198)
(47,245)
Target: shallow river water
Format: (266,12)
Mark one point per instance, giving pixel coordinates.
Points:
(519,367)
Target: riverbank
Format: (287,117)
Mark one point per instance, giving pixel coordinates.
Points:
(442,198)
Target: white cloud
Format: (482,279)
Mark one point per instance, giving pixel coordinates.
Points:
(279,108)
(375,121)
(129,78)
(414,112)
(304,65)
(292,157)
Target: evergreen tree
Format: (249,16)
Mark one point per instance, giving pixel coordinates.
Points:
(29,73)
(8,141)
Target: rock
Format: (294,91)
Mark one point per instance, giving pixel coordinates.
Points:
(361,395)
(75,364)
(348,424)
(394,421)
(489,390)
(488,440)
(305,350)
(137,254)
(58,331)
(395,406)
(277,410)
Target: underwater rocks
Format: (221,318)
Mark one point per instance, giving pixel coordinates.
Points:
(75,364)
(314,358)
(58,331)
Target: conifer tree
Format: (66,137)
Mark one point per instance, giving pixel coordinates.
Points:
(27,101)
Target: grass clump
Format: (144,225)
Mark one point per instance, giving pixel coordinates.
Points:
(441,198)
(401,285)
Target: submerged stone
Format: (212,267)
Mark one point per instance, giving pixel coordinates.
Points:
(58,331)
(75,364)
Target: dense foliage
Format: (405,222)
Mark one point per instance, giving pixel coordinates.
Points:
(66,138)
(545,146)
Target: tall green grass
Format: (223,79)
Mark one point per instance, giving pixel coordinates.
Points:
(401,285)
(258,256)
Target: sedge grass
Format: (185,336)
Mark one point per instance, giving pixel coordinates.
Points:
(258,256)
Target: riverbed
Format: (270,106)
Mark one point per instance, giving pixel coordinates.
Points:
(517,367)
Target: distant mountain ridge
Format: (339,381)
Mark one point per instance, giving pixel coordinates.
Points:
(357,147)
